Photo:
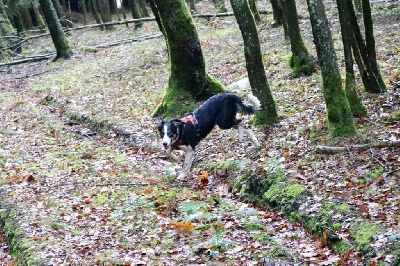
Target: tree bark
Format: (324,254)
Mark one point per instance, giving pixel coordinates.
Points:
(254,10)
(56,31)
(188,80)
(277,11)
(370,43)
(105,12)
(356,106)
(60,12)
(368,67)
(220,6)
(143,9)
(37,16)
(340,118)
(6,29)
(83,8)
(96,13)
(301,62)
(254,64)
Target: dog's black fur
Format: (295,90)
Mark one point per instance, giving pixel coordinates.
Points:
(187,132)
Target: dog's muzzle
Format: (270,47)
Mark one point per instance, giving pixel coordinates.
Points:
(166,146)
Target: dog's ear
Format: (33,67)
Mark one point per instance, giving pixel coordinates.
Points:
(177,122)
(159,120)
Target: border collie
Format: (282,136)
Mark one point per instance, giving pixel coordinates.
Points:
(184,134)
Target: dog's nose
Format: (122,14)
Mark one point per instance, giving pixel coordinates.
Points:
(165,145)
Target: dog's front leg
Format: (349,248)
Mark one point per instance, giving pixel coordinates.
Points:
(170,155)
(189,156)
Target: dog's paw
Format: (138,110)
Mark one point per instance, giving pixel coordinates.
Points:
(182,176)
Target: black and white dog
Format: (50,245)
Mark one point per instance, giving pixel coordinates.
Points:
(221,109)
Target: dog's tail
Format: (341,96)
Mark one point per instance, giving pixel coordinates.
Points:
(249,109)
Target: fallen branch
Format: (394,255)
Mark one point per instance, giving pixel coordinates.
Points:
(28,60)
(334,150)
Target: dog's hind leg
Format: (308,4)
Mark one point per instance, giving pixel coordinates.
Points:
(249,133)
(189,156)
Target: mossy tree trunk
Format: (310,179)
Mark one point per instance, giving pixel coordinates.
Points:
(364,51)
(83,8)
(144,8)
(340,118)
(220,6)
(136,11)
(356,106)
(277,12)
(301,62)
(56,31)
(37,17)
(95,12)
(254,63)
(105,12)
(188,80)
(6,29)
(60,12)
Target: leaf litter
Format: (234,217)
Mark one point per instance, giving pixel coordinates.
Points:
(85,198)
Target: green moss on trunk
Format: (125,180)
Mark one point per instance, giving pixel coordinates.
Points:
(188,81)
(301,62)
(340,118)
(56,31)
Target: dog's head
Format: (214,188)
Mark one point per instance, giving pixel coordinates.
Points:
(170,131)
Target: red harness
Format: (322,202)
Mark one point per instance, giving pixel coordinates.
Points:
(190,118)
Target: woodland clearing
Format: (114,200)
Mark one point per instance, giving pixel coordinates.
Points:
(84,180)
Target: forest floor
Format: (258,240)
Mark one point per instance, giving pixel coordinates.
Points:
(79,193)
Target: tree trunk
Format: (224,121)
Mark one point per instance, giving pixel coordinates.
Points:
(37,16)
(370,43)
(143,9)
(96,13)
(6,29)
(254,10)
(340,118)
(254,63)
(277,12)
(220,6)
(356,106)
(188,80)
(56,31)
(301,62)
(136,12)
(369,70)
(105,12)
(60,12)
(83,8)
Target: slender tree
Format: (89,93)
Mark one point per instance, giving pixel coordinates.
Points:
(356,106)
(277,12)
(60,12)
(56,31)
(188,80)
(83,9)
(301,62)
(254,63)
(95,12)
(340,118)
(364,51)
(220,6)
(103,6)
(37,17)
(6,29)
(254,10)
